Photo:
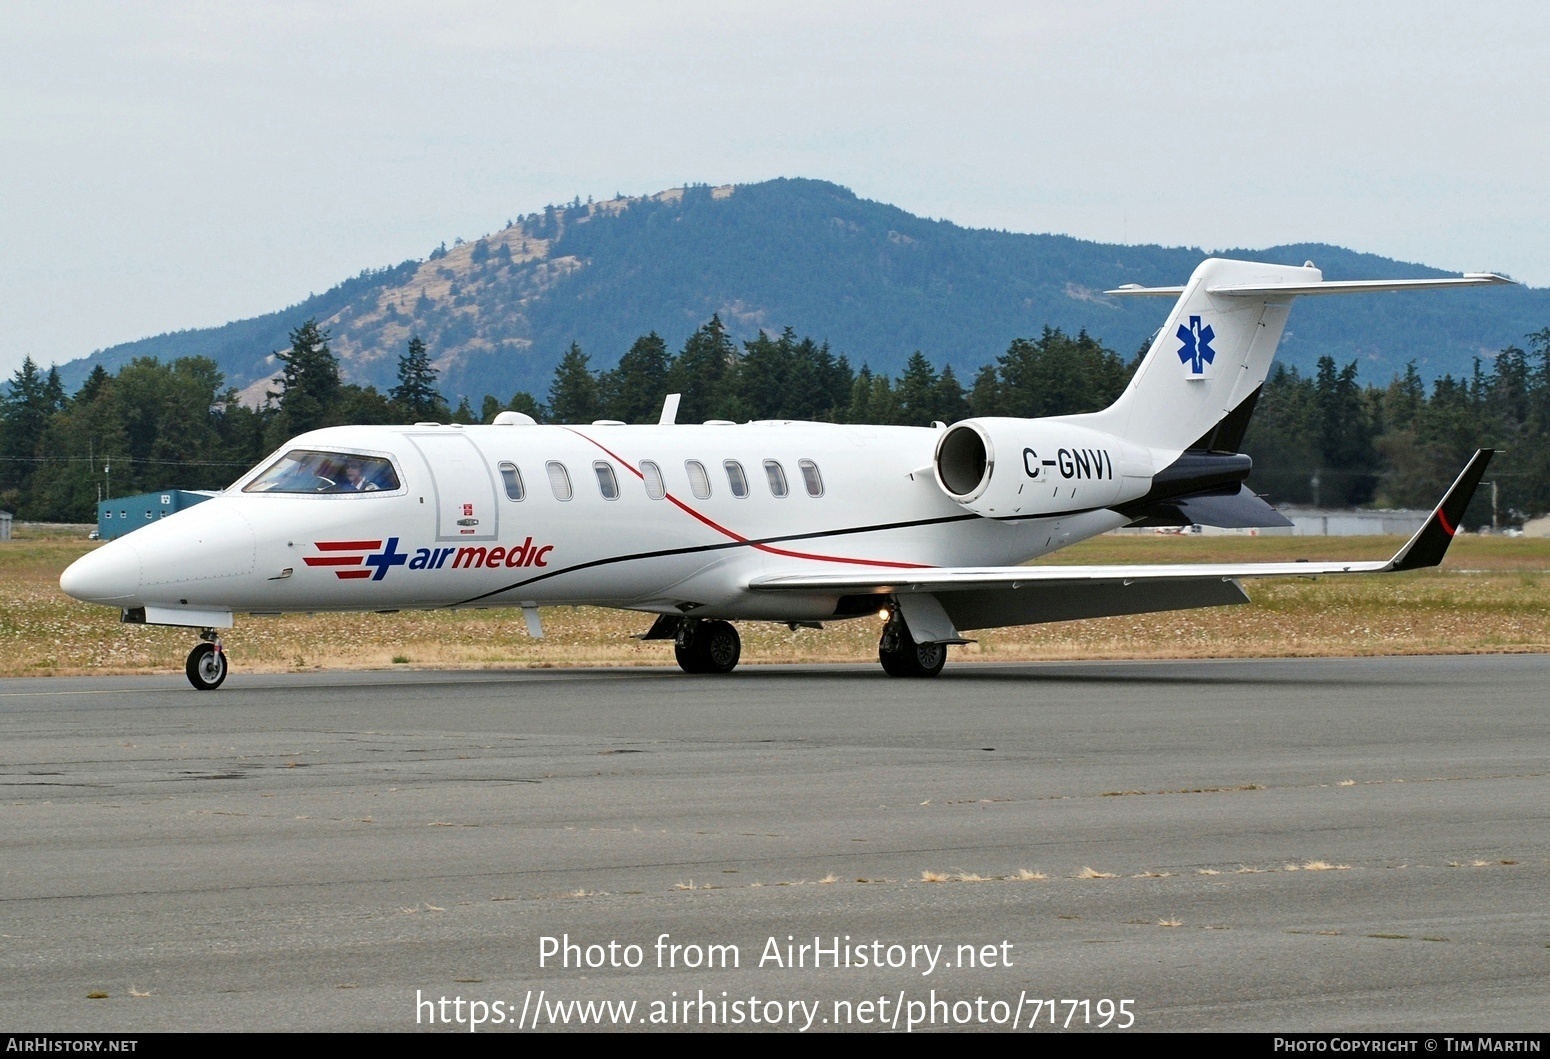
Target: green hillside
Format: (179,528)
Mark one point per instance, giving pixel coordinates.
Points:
(874,281)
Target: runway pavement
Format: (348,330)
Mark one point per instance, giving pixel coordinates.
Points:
(1236,845)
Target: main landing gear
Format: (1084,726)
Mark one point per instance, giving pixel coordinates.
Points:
(901,656)
(707,646)
(206,666)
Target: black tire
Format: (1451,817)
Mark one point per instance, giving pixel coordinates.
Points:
(688,656)
(713,647)
(911,659)
(206,667)
(928,659)
(721,645)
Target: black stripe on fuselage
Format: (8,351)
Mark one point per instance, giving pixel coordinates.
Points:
(722,546)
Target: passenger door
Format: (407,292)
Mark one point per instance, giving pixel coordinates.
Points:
(463,486)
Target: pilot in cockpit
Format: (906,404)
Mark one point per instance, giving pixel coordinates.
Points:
(355,479)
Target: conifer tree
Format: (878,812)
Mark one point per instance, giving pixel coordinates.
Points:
(309,383)
(573,395)
(700,372)
(633,391)
(416,392)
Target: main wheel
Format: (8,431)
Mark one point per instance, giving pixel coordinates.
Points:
(722,646)
(712,647)
(688,656)
(911,659)
(206,667)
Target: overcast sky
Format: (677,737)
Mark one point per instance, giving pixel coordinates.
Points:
(174,165)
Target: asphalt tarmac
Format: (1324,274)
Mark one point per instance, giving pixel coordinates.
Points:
(1233,845)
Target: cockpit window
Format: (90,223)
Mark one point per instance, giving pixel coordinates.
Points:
(311,471)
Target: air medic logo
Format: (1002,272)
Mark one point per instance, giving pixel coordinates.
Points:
(351,561)
(1195,348)
(360,560)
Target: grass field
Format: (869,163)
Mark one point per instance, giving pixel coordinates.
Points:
(1492,595)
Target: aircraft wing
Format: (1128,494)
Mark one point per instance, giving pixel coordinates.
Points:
(988,597)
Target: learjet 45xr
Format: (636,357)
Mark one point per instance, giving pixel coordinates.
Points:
(799,523)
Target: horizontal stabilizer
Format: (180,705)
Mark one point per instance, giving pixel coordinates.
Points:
(1239,508)
(1359,286)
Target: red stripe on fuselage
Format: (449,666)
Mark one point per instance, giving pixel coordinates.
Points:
(744,540)
(333,560)
(348,574)
(347,546)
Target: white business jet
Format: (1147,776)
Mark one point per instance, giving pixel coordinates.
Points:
(799,523)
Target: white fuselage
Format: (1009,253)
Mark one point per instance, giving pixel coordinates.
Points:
(449,534)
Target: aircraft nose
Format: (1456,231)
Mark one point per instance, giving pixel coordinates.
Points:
(108,575)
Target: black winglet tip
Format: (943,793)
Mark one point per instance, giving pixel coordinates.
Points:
(1431,541)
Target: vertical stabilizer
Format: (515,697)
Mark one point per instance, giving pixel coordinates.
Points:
(1210,357)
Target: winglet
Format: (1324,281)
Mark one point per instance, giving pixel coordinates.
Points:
(1431,541)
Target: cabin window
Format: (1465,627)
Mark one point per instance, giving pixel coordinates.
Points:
(699,481)
(607,481)
(513,479)
(777,478)
(811,478)
(651,474)
(313,471)
(736,478)
(559,479)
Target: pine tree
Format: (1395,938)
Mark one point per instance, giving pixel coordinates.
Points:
(573,395)
(93,384)
(634,390)
(916,393)
(416,392)
(309,383)
(701,373)
(951,404)
(24,415)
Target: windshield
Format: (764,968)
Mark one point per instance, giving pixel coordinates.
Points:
(310,471)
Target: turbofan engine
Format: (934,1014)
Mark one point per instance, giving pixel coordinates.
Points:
(1001,468)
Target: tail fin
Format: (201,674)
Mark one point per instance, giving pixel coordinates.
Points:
(1197,385)
(1210,358)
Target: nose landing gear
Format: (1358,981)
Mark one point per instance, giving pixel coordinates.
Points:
(707,646)
(206,666)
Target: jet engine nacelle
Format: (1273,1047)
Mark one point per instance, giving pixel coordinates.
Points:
(1002,468)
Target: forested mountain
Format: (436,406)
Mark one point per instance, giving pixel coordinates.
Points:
(498,313)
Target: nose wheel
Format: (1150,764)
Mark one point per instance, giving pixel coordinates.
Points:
(707,647)
(206,666)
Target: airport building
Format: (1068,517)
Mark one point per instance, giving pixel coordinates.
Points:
(123,514)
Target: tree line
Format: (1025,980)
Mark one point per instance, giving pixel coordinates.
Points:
(1322,439)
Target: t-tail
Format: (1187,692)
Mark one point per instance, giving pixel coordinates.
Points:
(1197,385)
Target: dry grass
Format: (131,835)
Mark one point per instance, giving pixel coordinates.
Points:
(1489,597)
(1170,922)
(1089,873)
(1024,875)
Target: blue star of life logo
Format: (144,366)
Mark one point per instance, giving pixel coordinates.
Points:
(1196,348)
(386,559)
